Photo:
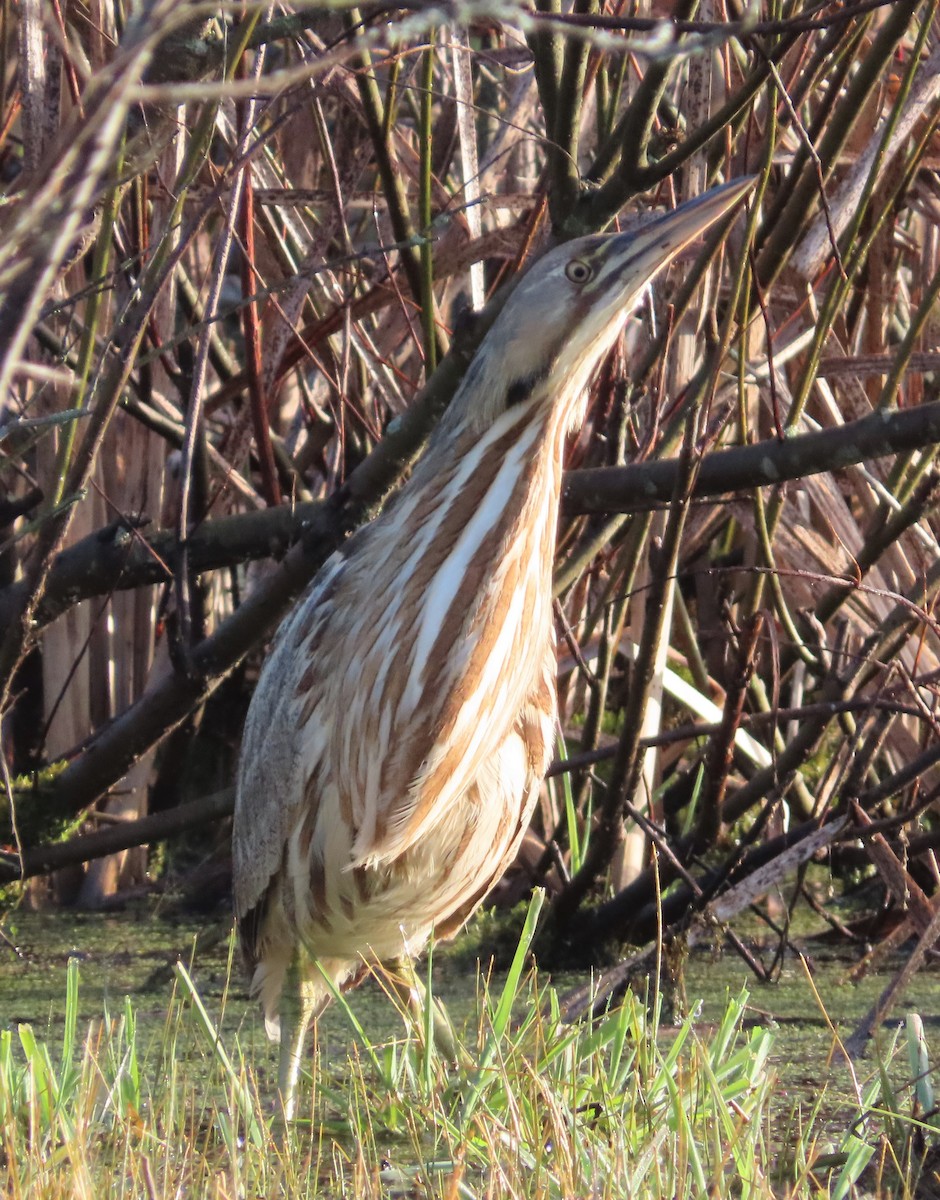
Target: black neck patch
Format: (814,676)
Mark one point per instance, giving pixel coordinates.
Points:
(521,390)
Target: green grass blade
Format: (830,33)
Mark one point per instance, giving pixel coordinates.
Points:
(243,1099)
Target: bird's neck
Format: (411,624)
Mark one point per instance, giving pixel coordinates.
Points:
(513,465)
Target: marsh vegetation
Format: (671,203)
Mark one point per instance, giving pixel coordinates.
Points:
(246,254)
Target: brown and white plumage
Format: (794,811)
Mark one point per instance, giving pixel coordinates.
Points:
(401,727)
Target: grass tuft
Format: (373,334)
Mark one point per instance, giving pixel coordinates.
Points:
(621,1106)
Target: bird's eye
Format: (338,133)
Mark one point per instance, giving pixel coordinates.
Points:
(578,271)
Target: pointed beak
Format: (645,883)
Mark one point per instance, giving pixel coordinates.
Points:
(634,257)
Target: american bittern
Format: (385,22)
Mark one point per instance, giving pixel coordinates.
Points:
(401,727)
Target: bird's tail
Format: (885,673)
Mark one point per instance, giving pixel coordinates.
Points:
(312,991)
(267,985)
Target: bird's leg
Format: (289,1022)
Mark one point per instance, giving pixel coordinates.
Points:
(299,1004)
(414,995)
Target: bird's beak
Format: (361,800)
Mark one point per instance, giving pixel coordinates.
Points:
(645,250)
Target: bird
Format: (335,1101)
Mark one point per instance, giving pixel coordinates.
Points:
(404,719)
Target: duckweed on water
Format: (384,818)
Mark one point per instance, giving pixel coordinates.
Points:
(125,1104)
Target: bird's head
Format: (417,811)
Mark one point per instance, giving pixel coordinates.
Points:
(569,308)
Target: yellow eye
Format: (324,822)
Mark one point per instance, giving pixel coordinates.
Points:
(578,271)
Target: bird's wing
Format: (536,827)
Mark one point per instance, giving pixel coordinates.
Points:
(274,767)
(349,715)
